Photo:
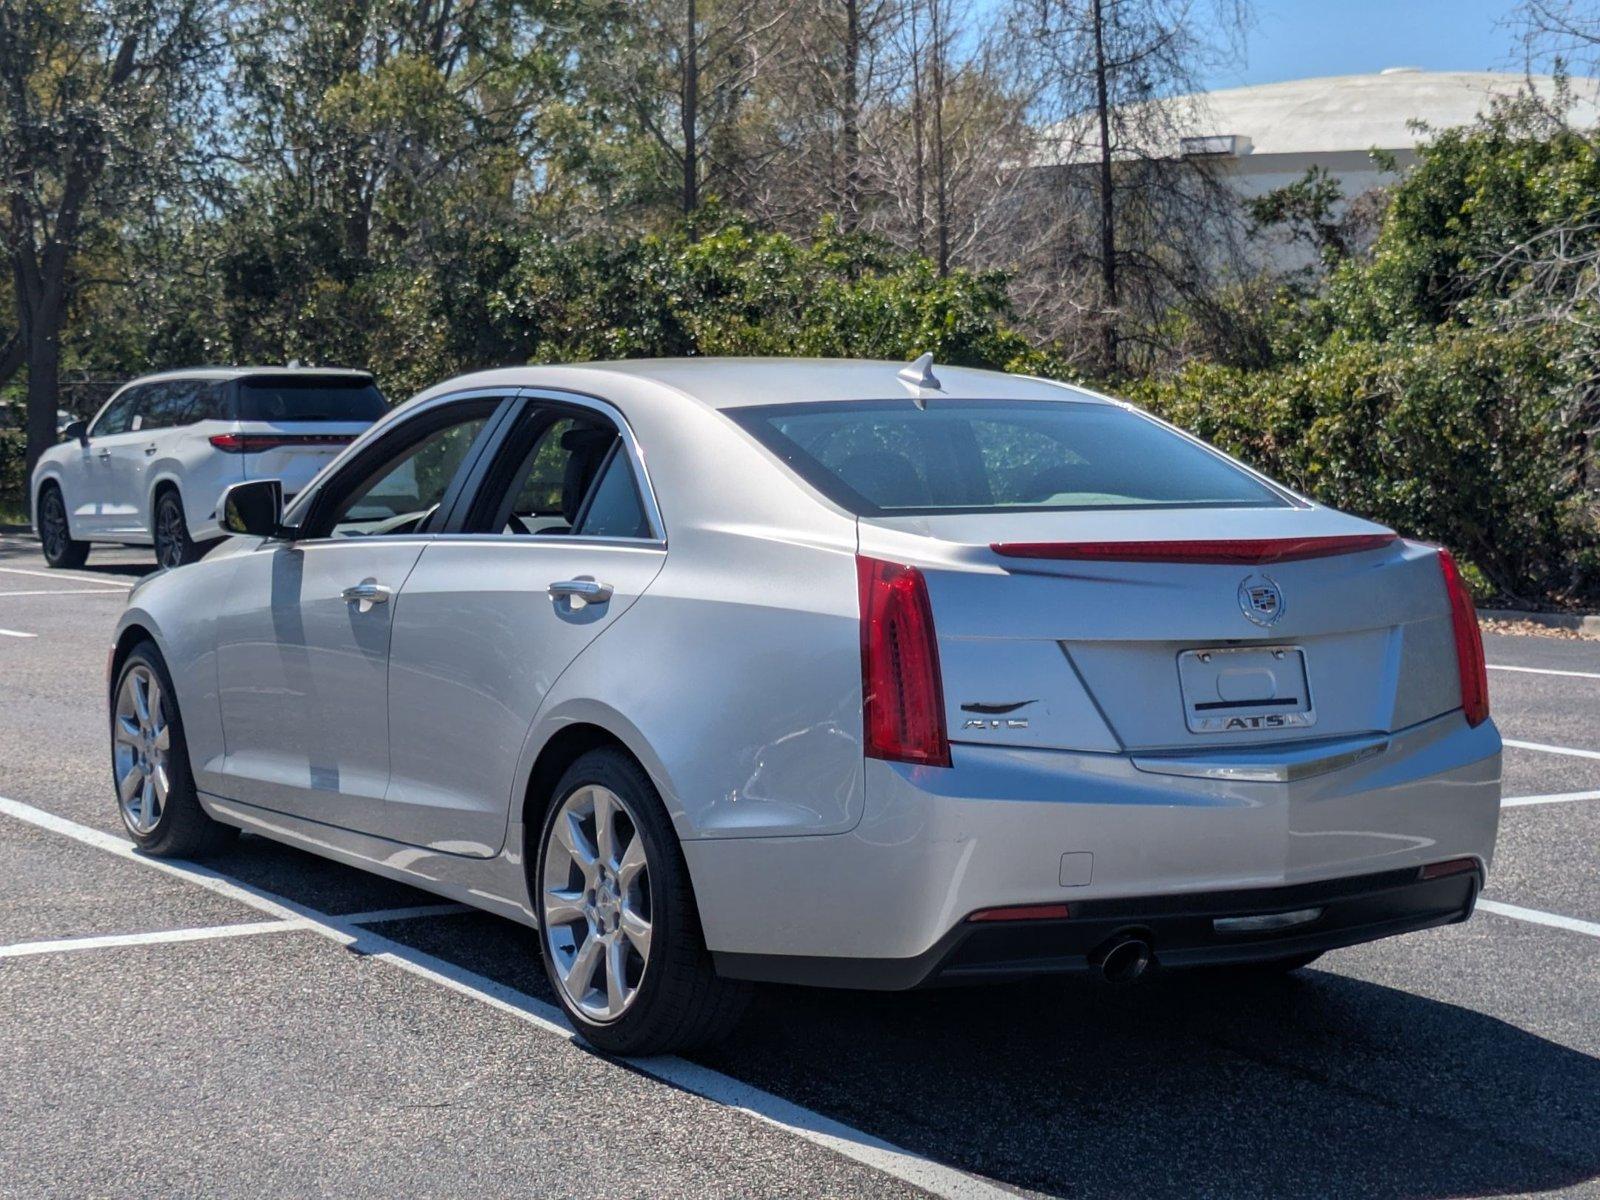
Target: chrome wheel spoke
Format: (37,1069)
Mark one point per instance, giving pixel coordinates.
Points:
(569,832)
(616,975)
(128,787)
(126,731)
(580,975)
(605,816)
(163,739)
(633,861)
(563,907)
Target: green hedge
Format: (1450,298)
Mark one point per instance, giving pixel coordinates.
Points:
(1458,438)
(13,479)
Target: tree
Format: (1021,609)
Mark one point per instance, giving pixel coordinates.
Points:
(96,100)
(1113,84)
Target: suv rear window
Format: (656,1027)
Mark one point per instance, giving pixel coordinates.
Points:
(302,398)
(884,457)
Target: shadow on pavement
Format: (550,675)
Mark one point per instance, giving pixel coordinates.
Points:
(21,550)
(1305,1086)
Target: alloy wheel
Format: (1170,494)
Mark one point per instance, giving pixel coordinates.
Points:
(53,524)
(141,749)
(595,903)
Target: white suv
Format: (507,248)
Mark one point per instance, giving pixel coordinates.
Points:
(151,466)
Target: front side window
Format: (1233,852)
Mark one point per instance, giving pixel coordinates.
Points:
(119,414)
(884,457)
(400,493)
(562,473)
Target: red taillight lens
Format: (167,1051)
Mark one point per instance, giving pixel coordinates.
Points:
(1023,912)
(902,699)
(1238,551)
(254,443)
(1469,643)
(1454,866)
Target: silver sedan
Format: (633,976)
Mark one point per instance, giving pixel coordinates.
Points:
(820,672)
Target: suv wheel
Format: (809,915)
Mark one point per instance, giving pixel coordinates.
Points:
(150,764)
(618,924)
(55,535)
(173,545)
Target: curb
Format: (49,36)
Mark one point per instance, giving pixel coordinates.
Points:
(1582,623)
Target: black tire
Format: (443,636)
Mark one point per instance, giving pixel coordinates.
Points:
(182,829)
(61,550)
(681,1002)
(173,545)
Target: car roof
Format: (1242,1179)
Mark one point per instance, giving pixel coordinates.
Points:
(242,372)
(741,382)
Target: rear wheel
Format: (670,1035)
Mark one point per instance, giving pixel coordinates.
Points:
(618,924)
(55,535)
(173,545)
(150,764)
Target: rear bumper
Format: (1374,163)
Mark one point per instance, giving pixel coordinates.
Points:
(1113,842)
(1180,929)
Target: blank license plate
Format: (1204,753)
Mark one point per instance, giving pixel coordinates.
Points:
(1245,688)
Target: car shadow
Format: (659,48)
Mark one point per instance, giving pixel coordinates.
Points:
(1197,1083)
(23,551)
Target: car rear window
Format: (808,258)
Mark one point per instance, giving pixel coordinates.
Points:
(299,398)
(882,457)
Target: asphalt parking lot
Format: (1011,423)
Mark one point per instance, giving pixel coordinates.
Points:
(276,1024)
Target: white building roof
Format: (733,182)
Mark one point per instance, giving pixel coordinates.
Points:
(1338,113)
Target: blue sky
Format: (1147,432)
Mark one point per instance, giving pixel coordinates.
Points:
(1294,39)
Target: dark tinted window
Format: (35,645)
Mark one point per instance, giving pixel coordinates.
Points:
(879,457)
(399,494)
(613,508)
(309,398)
(119,414)
(180,402)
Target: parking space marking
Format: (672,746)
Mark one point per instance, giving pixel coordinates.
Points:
(763,1106)
(1538,917)
(16,633)
(203,933)
(1553,798)
(70,592)
(1546,671)
(1543,749)
(57,575)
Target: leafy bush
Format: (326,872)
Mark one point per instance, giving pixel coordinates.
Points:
(13,479)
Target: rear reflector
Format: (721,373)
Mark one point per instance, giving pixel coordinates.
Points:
(254,443)
(902,697)
(1022,912)
(1241,551)
(1453,866)
(1469,643)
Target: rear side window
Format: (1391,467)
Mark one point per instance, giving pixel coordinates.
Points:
(180,402)
(881,457)
(309,398)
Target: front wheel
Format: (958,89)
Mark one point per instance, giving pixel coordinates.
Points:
(618,924)
(174,548)
(150,764)
(55,535)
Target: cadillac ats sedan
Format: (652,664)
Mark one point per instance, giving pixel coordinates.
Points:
(840,673)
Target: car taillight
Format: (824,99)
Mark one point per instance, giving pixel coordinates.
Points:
(902,698)
(1469,643)
(255,443)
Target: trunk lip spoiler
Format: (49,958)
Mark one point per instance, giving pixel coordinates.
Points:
(1215,551)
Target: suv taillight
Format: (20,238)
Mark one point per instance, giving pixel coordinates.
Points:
(1469,643)
(902,698)
(255,443)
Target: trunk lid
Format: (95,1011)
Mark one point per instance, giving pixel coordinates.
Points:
(1112,655)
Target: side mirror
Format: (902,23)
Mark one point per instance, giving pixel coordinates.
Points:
(253,508)
(78,431)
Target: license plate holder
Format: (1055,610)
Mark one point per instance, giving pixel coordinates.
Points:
(1245,689)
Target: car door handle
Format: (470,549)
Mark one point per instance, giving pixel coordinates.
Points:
(151,448)
(590,591)
(105,455)
(365,594)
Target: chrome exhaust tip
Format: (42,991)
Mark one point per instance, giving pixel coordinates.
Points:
(1123,960)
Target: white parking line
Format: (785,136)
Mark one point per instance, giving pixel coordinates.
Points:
(1536,917)
(58,575)
(722,1089)
(203,933)
(1553,798)
(71,592)
(16,633)
(1546,671)
(1543,749)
